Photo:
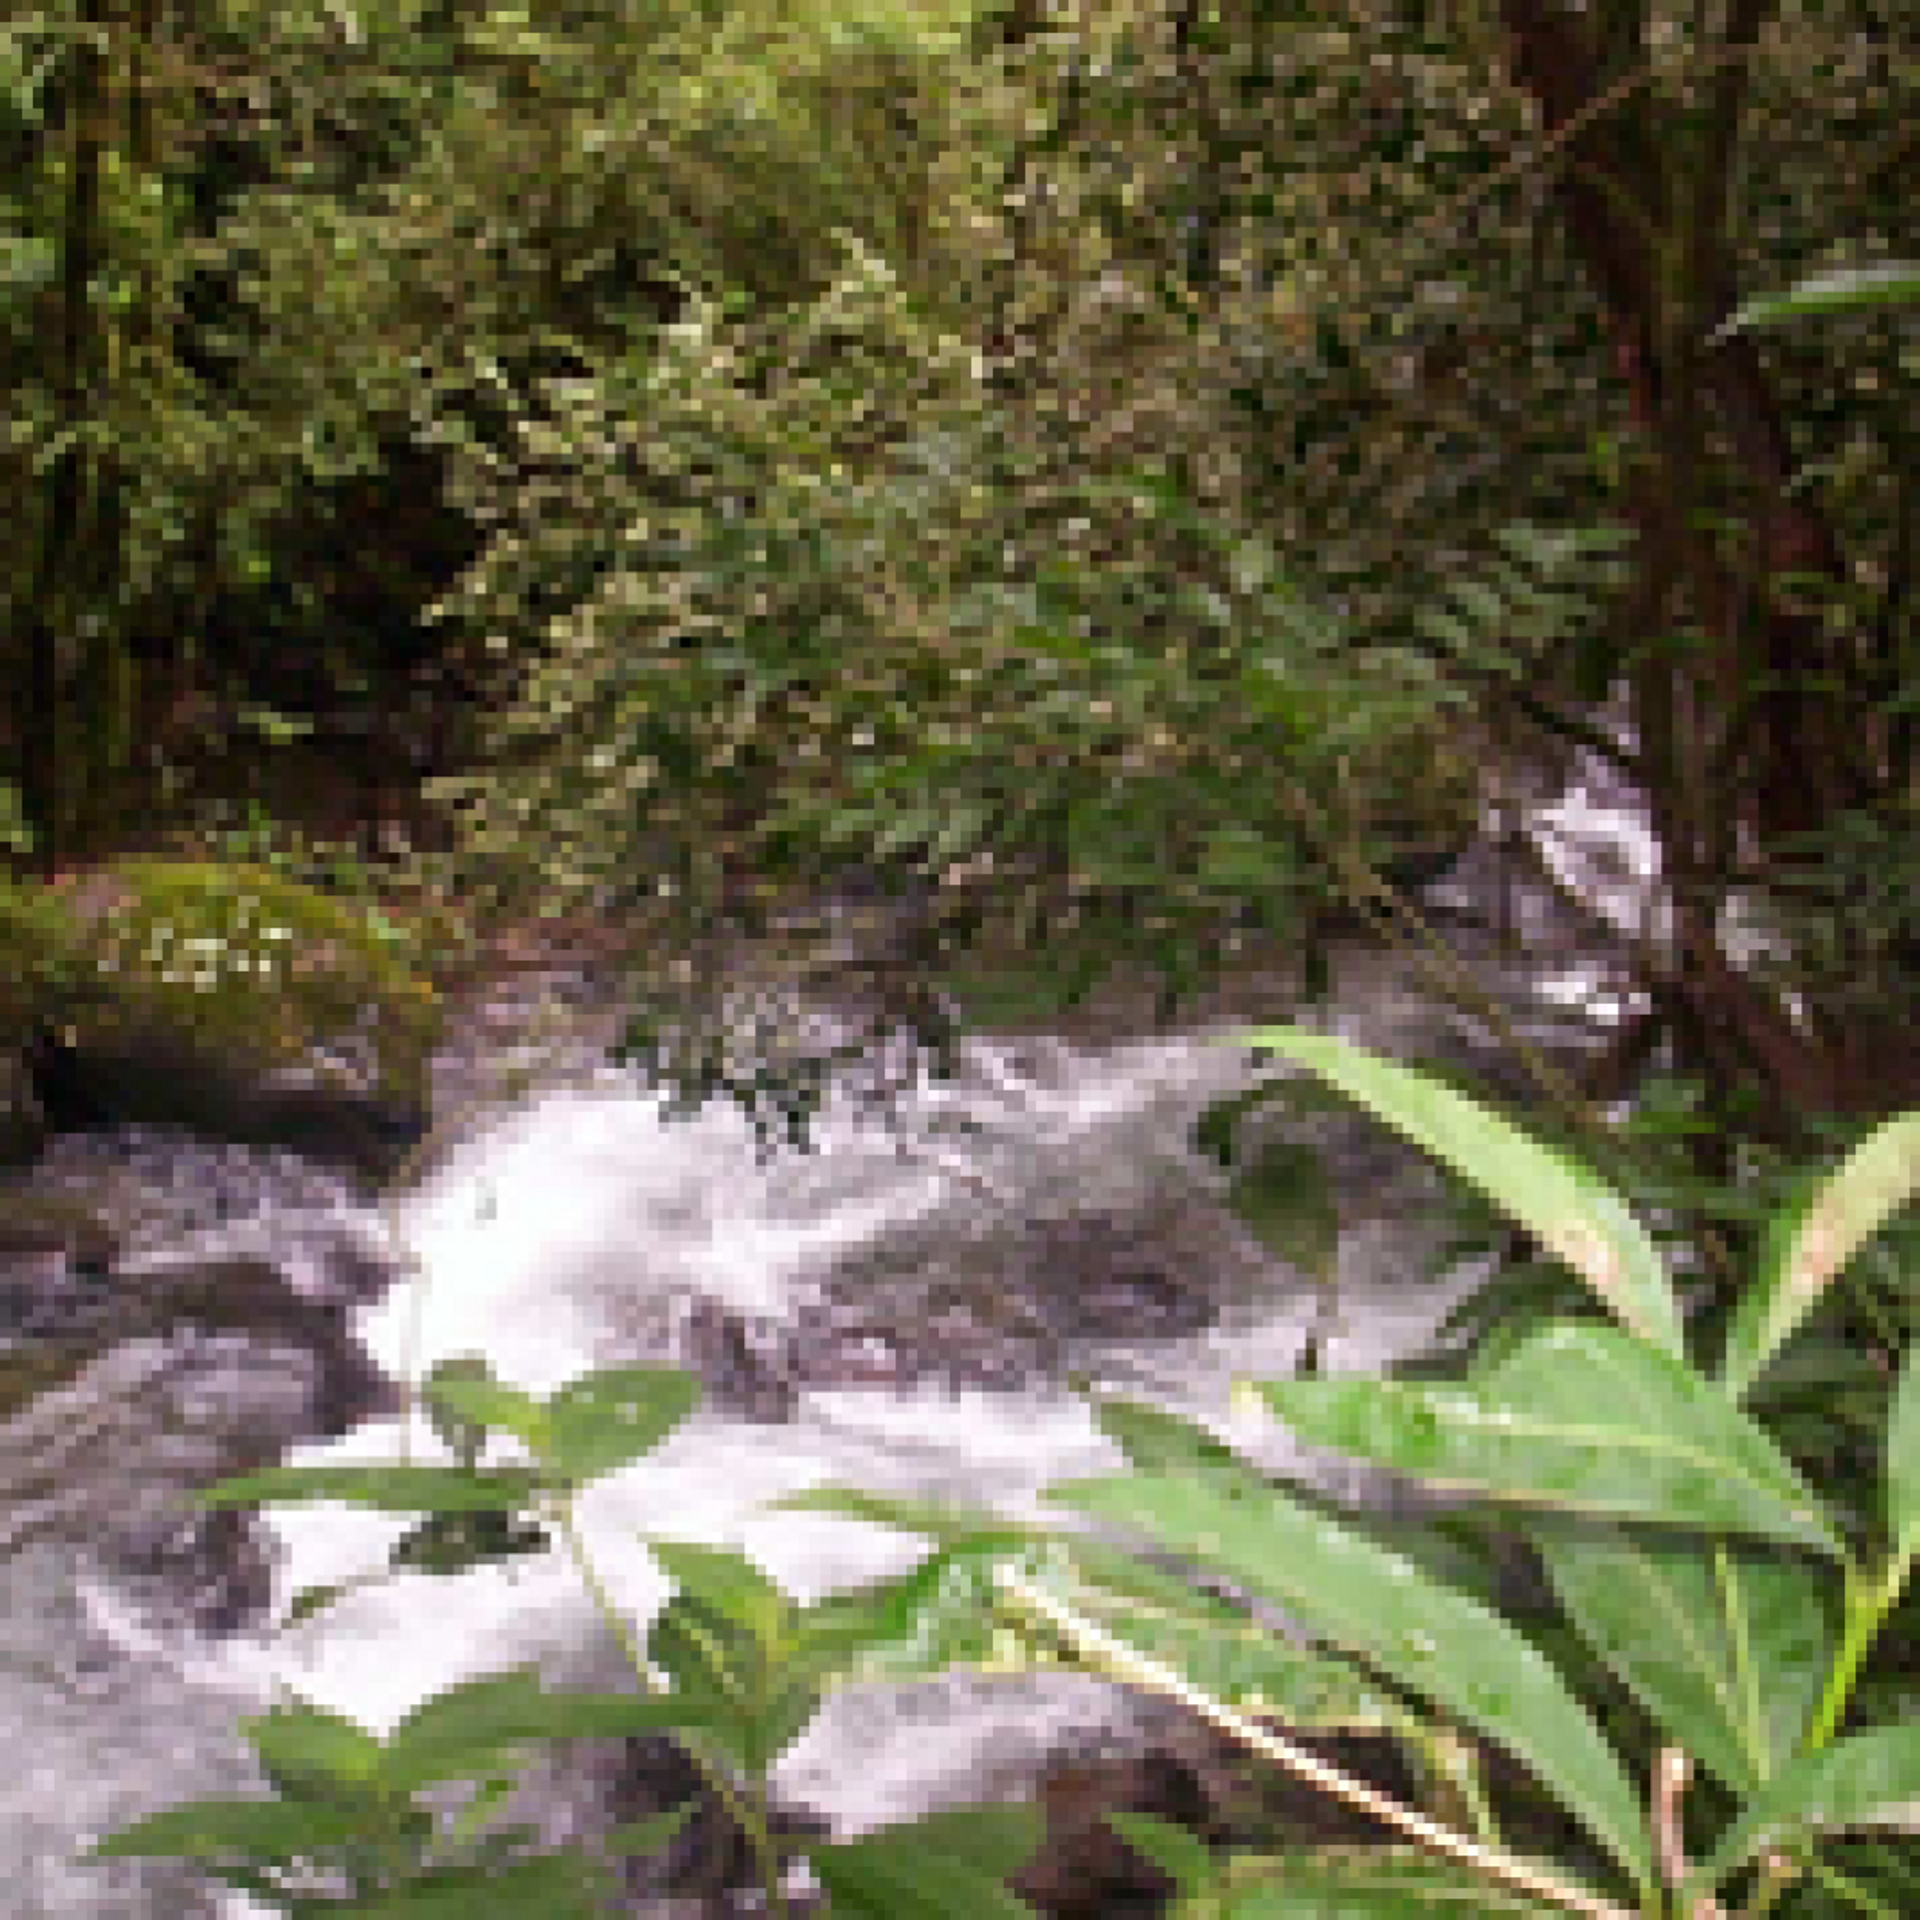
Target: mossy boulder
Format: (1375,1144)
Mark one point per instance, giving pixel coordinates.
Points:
(196,993)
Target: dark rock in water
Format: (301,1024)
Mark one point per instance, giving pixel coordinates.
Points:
(1084,1870)
(23,1121)
(225,1364)
(712,1342)
(152,1078)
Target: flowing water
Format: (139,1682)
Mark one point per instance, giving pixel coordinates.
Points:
(896,1311)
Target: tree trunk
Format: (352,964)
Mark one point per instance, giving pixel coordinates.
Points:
(1751,734)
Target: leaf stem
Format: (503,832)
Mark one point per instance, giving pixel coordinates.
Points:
(1129,1664)
(1865,1612)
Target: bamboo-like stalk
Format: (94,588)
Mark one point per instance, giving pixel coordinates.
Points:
(1128,1663)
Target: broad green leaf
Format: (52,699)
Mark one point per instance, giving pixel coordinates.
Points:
(998,1838)
(932,1619)
(1894,284)
(1234,1660)
(1579,1416)
(937,1520)
(642,1836)
(395,1489)
(1156,1441)
(316,1750)
(488,1719)
(1871,1780)
(1374,1883)
(1903,1457)
(555,1886)
(602,1421)
(262,1830)
(1284,1194)
(922,1873)
(1809,1245)
(1379,1605)
(1730,1661)
(1575,1215)
(450,1543)
(463,1436)
(751,1697)
(1180,1855)
(729,1585)
(477,1726)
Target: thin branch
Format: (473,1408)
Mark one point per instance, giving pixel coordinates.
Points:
(1129,1664)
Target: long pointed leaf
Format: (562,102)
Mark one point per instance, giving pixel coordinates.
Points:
(1730,1662)
(1373,1883)
(1871,1780)
(1379,1605)
(1881,286)
(1581,1417)
(394,1489)
(1809,1247)
(1903,1457)
(1573,1213)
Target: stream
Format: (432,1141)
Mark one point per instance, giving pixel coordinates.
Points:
(897,1311)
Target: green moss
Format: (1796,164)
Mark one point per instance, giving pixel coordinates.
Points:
(237,960)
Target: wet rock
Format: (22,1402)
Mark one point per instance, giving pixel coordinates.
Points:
(1084,1870)
(94,1082)
(120,1393)
(23,1123)
(749,1379)
(36,1228)
(1199,1780)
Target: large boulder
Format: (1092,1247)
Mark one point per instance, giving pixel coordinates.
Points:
(235,1003)
(86,1080)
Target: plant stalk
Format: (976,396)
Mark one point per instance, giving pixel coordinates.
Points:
(1129,1664)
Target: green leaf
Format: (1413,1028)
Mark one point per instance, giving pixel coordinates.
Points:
(749,1693)
(642,1836)
(1568,1209)
(395,1489)
(1871,1780)
(1379,1605)
(1579,1416)
(1373,1883)
(729,1585)
(314,1752)
(1903,1457)
(1729,1661)
(1809,1245)
(463,1436)
(555,1886)
(998,1839)
(1243,1664)
(448,1543)
(1894,284)
(1180,1855)
(476,1727)
(937,1520)
(923,1872)
(1286,1197)
(934,1618)
(602,1421)
(261,1830)
(1156,1441)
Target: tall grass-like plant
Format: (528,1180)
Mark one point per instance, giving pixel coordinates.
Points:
(1696,1710)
